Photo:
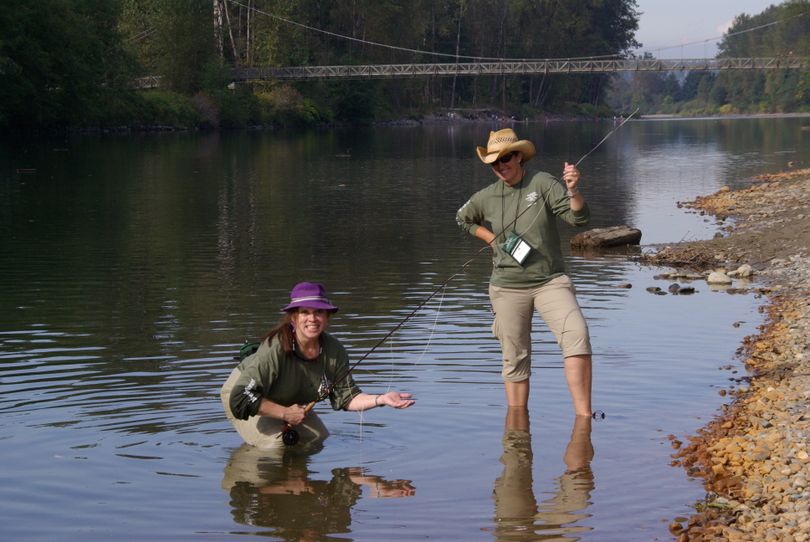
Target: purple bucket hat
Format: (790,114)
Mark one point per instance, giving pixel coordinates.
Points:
(311,295)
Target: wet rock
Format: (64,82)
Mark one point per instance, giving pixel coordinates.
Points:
(743,271)
(718,277)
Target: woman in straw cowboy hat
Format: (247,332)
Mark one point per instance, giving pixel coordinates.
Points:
(296,363)
(528,269)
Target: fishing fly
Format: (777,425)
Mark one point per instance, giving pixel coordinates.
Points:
(290,436)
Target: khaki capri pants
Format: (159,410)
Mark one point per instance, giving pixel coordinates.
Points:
(264,432)
(556,303)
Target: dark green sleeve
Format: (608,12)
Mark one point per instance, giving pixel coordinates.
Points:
(560,204)
(344,388)
(258,373)
(470,216)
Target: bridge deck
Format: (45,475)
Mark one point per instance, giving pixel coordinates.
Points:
(517,67)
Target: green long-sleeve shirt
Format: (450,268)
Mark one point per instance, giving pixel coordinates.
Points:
(498,204)
(287,379)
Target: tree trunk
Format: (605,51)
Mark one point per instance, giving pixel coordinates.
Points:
(230,33)
(218,27)
(458,45)
(248,56)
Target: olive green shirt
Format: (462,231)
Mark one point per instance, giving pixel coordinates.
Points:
(498,204)
(287,379)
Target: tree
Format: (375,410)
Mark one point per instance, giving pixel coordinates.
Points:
(179,39)
(782,30)
(62,62)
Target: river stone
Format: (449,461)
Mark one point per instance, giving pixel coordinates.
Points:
(718,277)
(743,271)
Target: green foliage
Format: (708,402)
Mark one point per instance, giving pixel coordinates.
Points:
(71,62)
(238,108)
(62,63)
(355,101)
(168,108)
(779,31)
(178,42)
(216,75)
(283,105)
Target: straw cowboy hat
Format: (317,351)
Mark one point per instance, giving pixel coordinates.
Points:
(502,142)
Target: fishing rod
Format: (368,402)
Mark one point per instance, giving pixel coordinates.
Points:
(610,133)
(290,436)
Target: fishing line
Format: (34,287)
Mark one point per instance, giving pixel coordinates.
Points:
(419,360)
(431,334)
(432,328)
(290,435)
(361,413)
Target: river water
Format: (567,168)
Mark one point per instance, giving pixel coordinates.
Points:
(133,267)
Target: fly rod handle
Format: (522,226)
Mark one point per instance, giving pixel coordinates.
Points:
(307,410)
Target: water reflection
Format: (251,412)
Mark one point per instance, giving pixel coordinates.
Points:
(518,516)
(126,292)
(276,489)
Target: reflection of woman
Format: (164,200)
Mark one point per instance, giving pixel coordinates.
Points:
(528,272)
(515,505)
(516,510)
(296,364)
(279,493)
(567,505)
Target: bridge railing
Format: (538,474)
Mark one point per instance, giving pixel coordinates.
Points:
(516,67)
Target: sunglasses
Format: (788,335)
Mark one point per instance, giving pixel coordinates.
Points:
(503,159)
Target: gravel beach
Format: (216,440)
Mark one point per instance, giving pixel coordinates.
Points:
(754,457)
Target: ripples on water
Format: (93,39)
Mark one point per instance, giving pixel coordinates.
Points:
(130,286)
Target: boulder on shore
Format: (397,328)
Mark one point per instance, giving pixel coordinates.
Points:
(607,237)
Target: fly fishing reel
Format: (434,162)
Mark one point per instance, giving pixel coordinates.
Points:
(290,436)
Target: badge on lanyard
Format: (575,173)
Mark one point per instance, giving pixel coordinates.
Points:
(516,247)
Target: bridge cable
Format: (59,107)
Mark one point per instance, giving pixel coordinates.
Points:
(467,57)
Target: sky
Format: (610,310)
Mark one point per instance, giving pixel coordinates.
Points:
(666,26)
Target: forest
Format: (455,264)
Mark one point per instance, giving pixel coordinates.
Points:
(778,31)
(88,63)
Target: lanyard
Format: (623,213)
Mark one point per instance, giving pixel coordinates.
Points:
(517,206)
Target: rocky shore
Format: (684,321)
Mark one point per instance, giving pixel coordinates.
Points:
(754,457)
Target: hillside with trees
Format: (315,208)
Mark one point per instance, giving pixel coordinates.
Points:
(779,31)
(88,63)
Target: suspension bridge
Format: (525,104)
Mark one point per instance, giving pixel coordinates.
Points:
(510,67)
(516,67)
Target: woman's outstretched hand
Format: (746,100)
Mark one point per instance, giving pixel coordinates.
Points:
(396,399)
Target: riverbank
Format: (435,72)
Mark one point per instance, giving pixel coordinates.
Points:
(754,457)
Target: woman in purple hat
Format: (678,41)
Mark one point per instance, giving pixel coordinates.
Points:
(297,364)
